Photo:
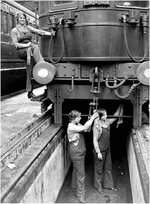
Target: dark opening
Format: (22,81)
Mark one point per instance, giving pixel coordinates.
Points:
(118,140)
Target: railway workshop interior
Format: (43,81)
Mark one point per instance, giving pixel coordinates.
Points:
(75,101)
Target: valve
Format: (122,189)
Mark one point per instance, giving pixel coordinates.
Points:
(53,22)
(123,18)
(130,18)
(71,18)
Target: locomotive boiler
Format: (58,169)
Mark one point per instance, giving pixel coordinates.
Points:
(100,51)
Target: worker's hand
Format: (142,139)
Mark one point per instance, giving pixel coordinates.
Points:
(100,157)
(94,111)
(48,33)
(95,115)
(53,32)
(28,44)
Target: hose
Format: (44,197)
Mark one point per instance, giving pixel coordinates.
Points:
(129,92)
(116,85)
(126,43)
(62,48)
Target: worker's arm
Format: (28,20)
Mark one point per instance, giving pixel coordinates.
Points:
(39,31)
(88,124)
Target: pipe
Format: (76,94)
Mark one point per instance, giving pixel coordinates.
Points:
(72,84)
(62,46)
(115,81)
(127,47)
(129,92)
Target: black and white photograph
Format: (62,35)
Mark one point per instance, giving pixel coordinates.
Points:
(75,104)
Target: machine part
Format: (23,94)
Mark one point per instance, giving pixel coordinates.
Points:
(95,90)
(93,106)
(62,44)
(129,92)
(115,82)
(71,18)
(123,18)
(95,80)
(53,22)
(143,73)
(132,17)
(72,80)
(44,72)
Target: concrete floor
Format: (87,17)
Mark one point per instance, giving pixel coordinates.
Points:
(121,180)
(16,113)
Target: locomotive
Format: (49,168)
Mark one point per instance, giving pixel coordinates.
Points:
(100,53)
(13,69)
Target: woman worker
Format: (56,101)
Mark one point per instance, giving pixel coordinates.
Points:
(22,39)
(77,150)
(102,154)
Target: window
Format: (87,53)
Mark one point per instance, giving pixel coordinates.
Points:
(5,22)
(62,2)
(63,5)
(96,3)
(2,22)
(10,22)
(132,3)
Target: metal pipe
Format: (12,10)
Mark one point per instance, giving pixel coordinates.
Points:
(115,82)
(72,84)
(62,46)
(129,92)
(127,47)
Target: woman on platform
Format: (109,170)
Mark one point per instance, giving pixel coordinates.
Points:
(22,39)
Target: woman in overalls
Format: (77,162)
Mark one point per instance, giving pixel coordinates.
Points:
(102,153)
(77,150)
(22,39)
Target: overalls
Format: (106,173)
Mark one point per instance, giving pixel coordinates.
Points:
(103,168)
(25,37)
(77,154)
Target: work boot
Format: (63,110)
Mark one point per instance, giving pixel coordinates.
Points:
(81,199)
(30,94)
(111,188)
(100,190)
(40,97)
